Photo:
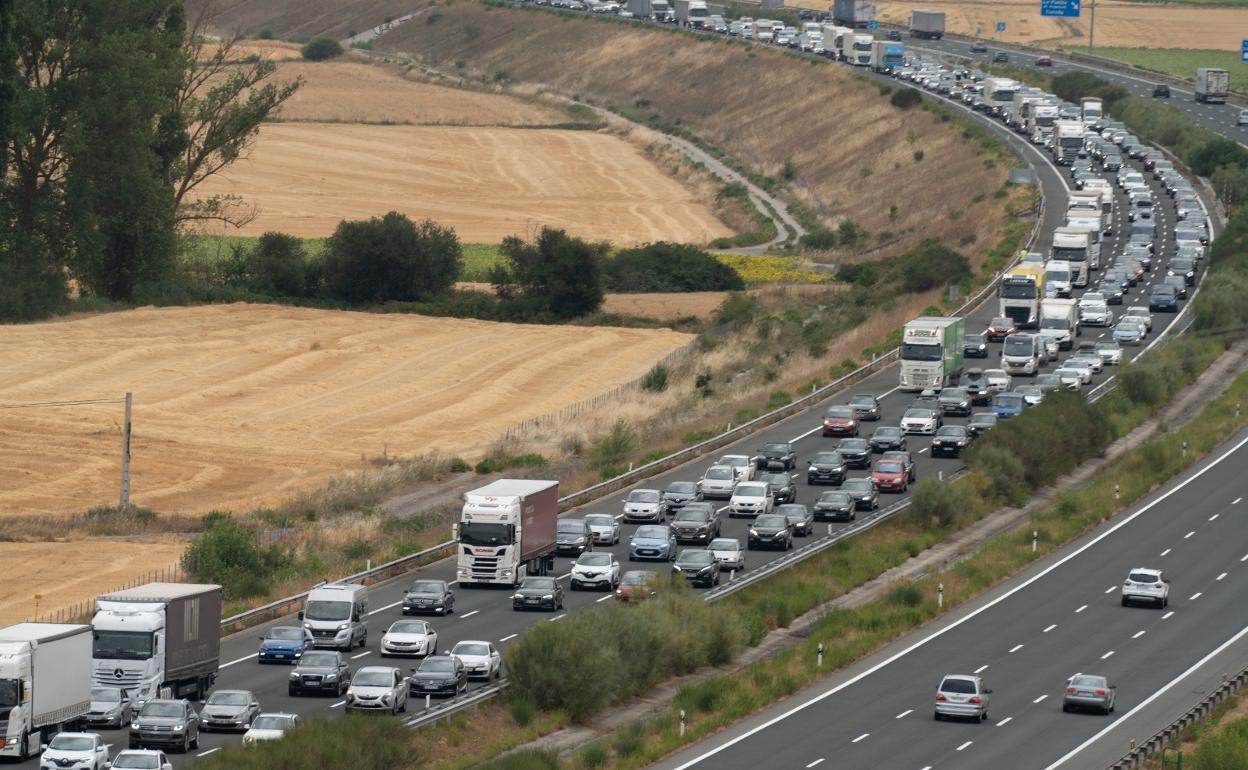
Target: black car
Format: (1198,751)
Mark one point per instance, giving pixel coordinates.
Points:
(825,468)
(1177,281)
(1000,57)
(980,422)
(866,498)
(779,456)
(975,383)
(1161,91)
(865,406)
(975,346)
(956,401)
(783,490)
(887,438)
(573,536)
(894,34)
(680,493)
(950,440)
(699,566)
(1184,266)
(696,523)
(439,675)
(799,516)
(856,452)
(538,593)
(770,531)
(835,506)
(429,596)
(905,458)
(319,672)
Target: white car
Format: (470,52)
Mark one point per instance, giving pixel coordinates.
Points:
(998,380)
(595,569)
(750,498)
(75,751)
(604,528)
(142,759)
(645,505)
(1110,353)
(481,659)
(1146,585)
(1140,314)
(1071,379)
(1081,366)
(718,481)
(920,420)
(1095,362)
(742,464)
(728,552)
(414,638)
(1095,313)
(266,727)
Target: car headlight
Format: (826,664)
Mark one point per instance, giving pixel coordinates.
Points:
(330,677)
(134,725)
(179,728)
(350,693)
(548,596)
(343,627)
(294,674)
(754,533)
(516,596)
(307,625)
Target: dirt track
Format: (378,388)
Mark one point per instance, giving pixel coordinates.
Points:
(238,406)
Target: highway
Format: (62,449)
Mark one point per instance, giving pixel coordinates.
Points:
(486,614)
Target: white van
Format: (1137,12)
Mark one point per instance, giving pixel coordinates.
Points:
(337,615)
(1023,353)
(1057,278)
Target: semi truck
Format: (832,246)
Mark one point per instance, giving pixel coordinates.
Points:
(860,56)
(856,14)
(1090,222)
(1073,245)
(1091,109)
(838,42)
(658,10)
(506,532)
(1101,192)
(692,14)
(931,352)
(1022,288)
(1212,85)
(999,93)
(1067,141)
(1040,122)
(929,25)
(158,640)
(886,56)
(1059,320)
(45,683)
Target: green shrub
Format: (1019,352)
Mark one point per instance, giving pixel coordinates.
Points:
(779,398)
(655,380)
(348,743)
(819,239)
(668,267)
(737,309)
(459,465)
(265,34)
(929,265)
(615,447)
(524,759)
(278,265)
(390,258)
(557,275)
(320,49)
(521,710)
(905,98)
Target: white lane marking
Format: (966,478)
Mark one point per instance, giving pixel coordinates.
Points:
(904,713)
(1167,615)
(507,638)
(468,614)
(1042,697)
(1244,557)
(209,751)
(1111,589)
(1138,634)
(1003,722)
(796,439)
(1163,553)
(860,737)
(1016,648)
(1144,703)
(383,609)
(924,449)
(603,599)
(362,654)
(240,660)
(1081,609)
(817,761)
(1189,534)
(1050,628)
(1107,655)
(1214,516)
(720,510)
(1196,596)
(1219,577)
(983,667)
(1236,501)
(558,617)
(967,617)
(336,705)
(963,746)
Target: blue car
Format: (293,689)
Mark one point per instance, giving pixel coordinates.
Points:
(1164,299)
(654,542)
(284,644)
(1006,405)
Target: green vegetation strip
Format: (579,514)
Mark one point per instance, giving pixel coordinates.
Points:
(1180,63)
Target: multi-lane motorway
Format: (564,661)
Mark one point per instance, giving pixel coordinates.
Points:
(487,614)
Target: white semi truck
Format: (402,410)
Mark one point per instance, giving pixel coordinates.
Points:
(158,640)
(932,352)
(999,93)
(506,532)
(1096,195)
(861,52)
(1067,141)
(1073,245)
(1092,110)
(1040,122)
(45,683)
(1090,222)
(1212,85)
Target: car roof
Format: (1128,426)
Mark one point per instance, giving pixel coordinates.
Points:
(1151,570)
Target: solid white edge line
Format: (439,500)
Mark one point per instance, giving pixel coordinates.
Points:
(240,660)
(974,613)
(1166,687)
(209,751)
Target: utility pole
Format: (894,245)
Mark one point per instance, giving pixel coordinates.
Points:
(125,454)
(1092,27)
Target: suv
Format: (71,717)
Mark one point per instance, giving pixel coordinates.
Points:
(1161,91)
(163,722)
(697,523)
(962,696)
(319,672)
(778,456)
(751,498)
(1146,585)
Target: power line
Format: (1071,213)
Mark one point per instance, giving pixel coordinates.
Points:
(36,404)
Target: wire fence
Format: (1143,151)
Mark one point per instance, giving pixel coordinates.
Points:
(81,611)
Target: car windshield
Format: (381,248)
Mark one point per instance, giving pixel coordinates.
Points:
(975,339)
(268,722)
(691,514)
(571,526)
(471,648)
(1009,322)
(839,413)
(327,610)
(319,660)
(682,488)
(72,743)
(983,419)
(643,496)
(136,762)
(956,394)
(229,698)
(724,544)
(285,633)
(951,430)
(888,467)
(888,432)
(733,460)
(483,534)
(857,485)
(373,679)
(1019,344)
(917,352)
(427,587)
(538,584)
(918,414)
(634,579)
(1109,347)
(751,490)
(437,666)
(771,521)
(775,448)
(106,695)
(1059,276)
(826,458)
(719,473)
(652,532)
(696,557)
(852,445)
(1142,577)
(159,709)
(600,520)
(409,627)
(1087,681)
(778,479)
(958,686)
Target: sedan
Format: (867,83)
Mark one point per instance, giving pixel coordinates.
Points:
(1129,332)
(955,401)
(637,585)
(890,476)
(75,750)
(743,465)
(951,440)
(284,644)
(826,468)
(1006,405)
(886,438)
(776,456)
(770,531)
(1032,395)
(481,659)
(698,566)
(1142,315)
(1044,61)
(728,552)
(962,696)
(144,759)
(1000,328)
(1178,282)
(998,379)
(645,505)
(799,517)
(654,543)
(863,492)
(718,482)
(865,406)
(605,528)
(110,707)
(783,490)
(429,596)
(840,421)
(1095,314)
(543,593)
(1088,691)
(440,675)
(680,492)
(1110,353)
(229,710)
(905,458)
(750,499)
(835,506)
(414,638)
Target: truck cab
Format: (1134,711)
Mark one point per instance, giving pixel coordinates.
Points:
(337,615)
(862,45)
(931,352)
(1073,245)
(1057,278)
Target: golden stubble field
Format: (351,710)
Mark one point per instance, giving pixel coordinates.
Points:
(237,406)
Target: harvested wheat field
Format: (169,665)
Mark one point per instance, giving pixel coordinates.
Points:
(100,565)
(487,183)
(237,406)
(1118,24)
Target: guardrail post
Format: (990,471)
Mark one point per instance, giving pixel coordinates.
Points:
(428,699)
(1184,450)
(940,475)
(829,530)
(682,723)
(1034,537)
(732,575)
(940,595)
(819,659)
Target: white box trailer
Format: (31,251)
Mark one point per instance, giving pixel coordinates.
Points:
(45,673)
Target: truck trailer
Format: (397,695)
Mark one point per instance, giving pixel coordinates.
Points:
(929,25)
(886,56)
(159,640)
(1212,85)
(506,532)
(1059,320)
(857,14)
(45,683)
(931,352)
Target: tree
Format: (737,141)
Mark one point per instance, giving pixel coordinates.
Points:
(278,265)
(930,265)
(557,273)
(390,258)
(668,267)
(320,49)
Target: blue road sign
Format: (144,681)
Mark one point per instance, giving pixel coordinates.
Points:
(1000,26)
(1068,8)
(1243,51)
(873,24)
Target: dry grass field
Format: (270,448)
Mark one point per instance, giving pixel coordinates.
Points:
(243,405)
(1118,24)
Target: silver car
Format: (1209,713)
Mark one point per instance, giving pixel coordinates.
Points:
(1140,314)
(998,380)
(1146,585)
(229,710)
(645,505)
(1088,691)
(962,696)
(920,420)
(728,552)
(1110,352)
(742,464)
(110,707)
(377,688)
(604,527)
(718,482)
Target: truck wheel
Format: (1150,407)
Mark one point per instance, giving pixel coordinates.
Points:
(23,747)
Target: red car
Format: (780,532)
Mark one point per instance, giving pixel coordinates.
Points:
(1044,61)
(890,476)
(840,421)
(1000,328)
(1137,269)
(636,586)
